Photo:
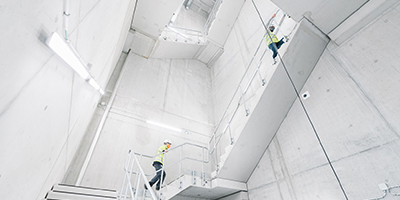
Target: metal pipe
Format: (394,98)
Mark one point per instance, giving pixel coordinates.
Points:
(129,174)
(161,181)
(65,16)
(137,186)
(202,168)
(100,127)
(237,89)
(126,171)
(180,169)
(145,179)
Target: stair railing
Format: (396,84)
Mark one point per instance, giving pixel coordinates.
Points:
(130,189)
(178,34)
(230,112)
(239,95)
(172,33)
(211,17)
(127,185)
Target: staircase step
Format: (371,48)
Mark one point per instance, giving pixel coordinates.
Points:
(84,190)
(72,192)
(62,195)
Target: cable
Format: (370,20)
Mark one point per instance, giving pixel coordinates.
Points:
(305,111)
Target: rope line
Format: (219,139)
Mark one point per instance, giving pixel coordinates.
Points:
(305,110)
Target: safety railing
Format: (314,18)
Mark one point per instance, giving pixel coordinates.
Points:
(182,35)
(252,70)
(172,33)
(224,124)
(134,174)
(211,17)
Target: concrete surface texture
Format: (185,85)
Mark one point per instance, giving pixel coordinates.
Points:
(353,105)
(171,92)
(45,106)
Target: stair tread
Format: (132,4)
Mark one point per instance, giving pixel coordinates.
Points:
(54,194)
(84,190)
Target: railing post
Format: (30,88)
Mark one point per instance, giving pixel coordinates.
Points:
(180,168)
(162,174)
(244,102)
(216,159)
(127,161)
(136,178)
(137,184)
(259,74)
(202,168)
(230,134)
(129,175)
(194,177)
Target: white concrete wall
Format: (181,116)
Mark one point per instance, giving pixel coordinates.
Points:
(354,104)
(45,107)
(168,91)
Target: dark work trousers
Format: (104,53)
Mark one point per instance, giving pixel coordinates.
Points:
(157,177)
(275,46)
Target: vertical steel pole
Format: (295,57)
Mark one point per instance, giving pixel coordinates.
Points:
(180,168)
(202,167)
(125,173)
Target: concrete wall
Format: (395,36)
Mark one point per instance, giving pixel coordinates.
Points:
(354,105)
(45,107)
(172,92)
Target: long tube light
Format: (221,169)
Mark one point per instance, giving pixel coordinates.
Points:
(163,126)
(67,53)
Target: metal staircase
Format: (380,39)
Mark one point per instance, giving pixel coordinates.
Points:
(227,146)
(196,184)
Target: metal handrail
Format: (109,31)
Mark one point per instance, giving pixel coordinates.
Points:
(201,36)
(130,164)
(186,30)
(211,17)
(234,95)
(177,33)
(217,137)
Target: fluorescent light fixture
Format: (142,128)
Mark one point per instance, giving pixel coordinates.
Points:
(65,51)
(96,86)
(164,126)
(62,49)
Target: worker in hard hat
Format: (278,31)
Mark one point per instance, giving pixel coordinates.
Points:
(273,43)
(158,164)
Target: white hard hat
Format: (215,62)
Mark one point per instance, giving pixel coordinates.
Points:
(167,141)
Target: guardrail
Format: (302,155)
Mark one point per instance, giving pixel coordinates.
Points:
(230,112)
(134,174)
(182,35)
(177,34)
